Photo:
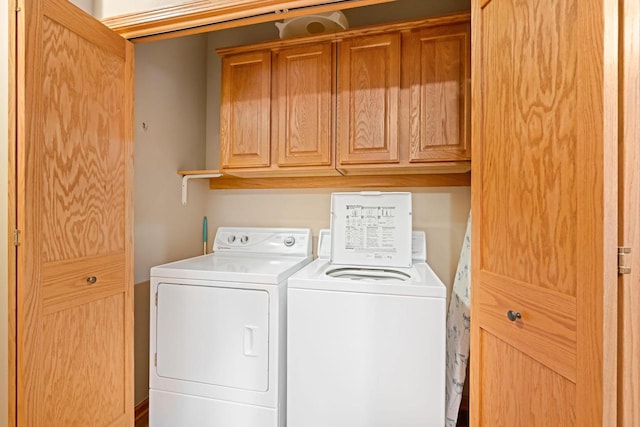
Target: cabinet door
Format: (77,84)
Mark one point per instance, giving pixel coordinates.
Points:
(368,98)
(74,305)
(245,110)
(545,207)
(303,108)
(435,62)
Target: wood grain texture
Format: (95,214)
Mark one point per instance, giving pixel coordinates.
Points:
(368,100)
(245,110)
(302,110)
(65,283)
(15,106)
(83,384)
(436,62)
(365,31)
(518,391)
(544,202)
(597,212)
(529,116)
(371,124)
(629,190)
(385,181)
(200,16)
(82,216)
(73,350)
(547,330)
(142,414)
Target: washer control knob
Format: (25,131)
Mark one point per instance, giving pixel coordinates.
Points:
(244,239)
(231,238)
(289,241)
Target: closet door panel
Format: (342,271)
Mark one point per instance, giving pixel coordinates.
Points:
(544,212)
(74,308)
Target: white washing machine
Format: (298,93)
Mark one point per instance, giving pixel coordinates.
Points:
(217,331)
(366,344)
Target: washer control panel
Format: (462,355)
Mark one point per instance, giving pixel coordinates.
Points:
(292,241)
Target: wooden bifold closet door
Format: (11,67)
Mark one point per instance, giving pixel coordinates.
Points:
(74,295)
(545,197)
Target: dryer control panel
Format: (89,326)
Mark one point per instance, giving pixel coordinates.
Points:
(282,241)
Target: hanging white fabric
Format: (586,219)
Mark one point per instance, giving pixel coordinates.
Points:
(458,331)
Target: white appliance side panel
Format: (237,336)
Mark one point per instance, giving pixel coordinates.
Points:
(168,409)
(365,360)
(213,335)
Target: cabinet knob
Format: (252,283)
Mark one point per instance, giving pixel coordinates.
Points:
(92,279)
(513,315)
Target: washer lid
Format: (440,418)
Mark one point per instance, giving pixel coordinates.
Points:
(371,228)
(241,268)
(420,279)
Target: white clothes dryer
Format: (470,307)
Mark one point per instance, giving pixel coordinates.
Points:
(217,331)
(366,345)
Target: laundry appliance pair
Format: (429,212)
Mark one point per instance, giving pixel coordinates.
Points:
(357,337)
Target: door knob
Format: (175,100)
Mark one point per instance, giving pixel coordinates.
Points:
(513,315)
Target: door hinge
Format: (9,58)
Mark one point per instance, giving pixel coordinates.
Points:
(621,253)
(16,232)
(156,299)
(155,359)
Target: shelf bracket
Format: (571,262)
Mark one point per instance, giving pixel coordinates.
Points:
(186,178)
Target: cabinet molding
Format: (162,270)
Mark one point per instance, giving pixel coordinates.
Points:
(201,16)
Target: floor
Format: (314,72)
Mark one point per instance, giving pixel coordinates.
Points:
(463,420)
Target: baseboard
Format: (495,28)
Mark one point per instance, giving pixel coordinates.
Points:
(142,411)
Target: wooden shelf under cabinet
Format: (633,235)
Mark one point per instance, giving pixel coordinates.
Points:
(227,182)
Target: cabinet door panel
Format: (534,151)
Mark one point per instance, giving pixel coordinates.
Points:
(245,110)
(436,62)
(368,98)
(74,351)
(303,111)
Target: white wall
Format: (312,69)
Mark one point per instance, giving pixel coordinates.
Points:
(170,100)
(4,221)
(440,211)
(86,5)
(170,114)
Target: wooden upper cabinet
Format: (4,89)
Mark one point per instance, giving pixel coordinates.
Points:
(368,99)
(436,67)
(302,107)
(277,111)
(403,99)
(245,110)
(379,100)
